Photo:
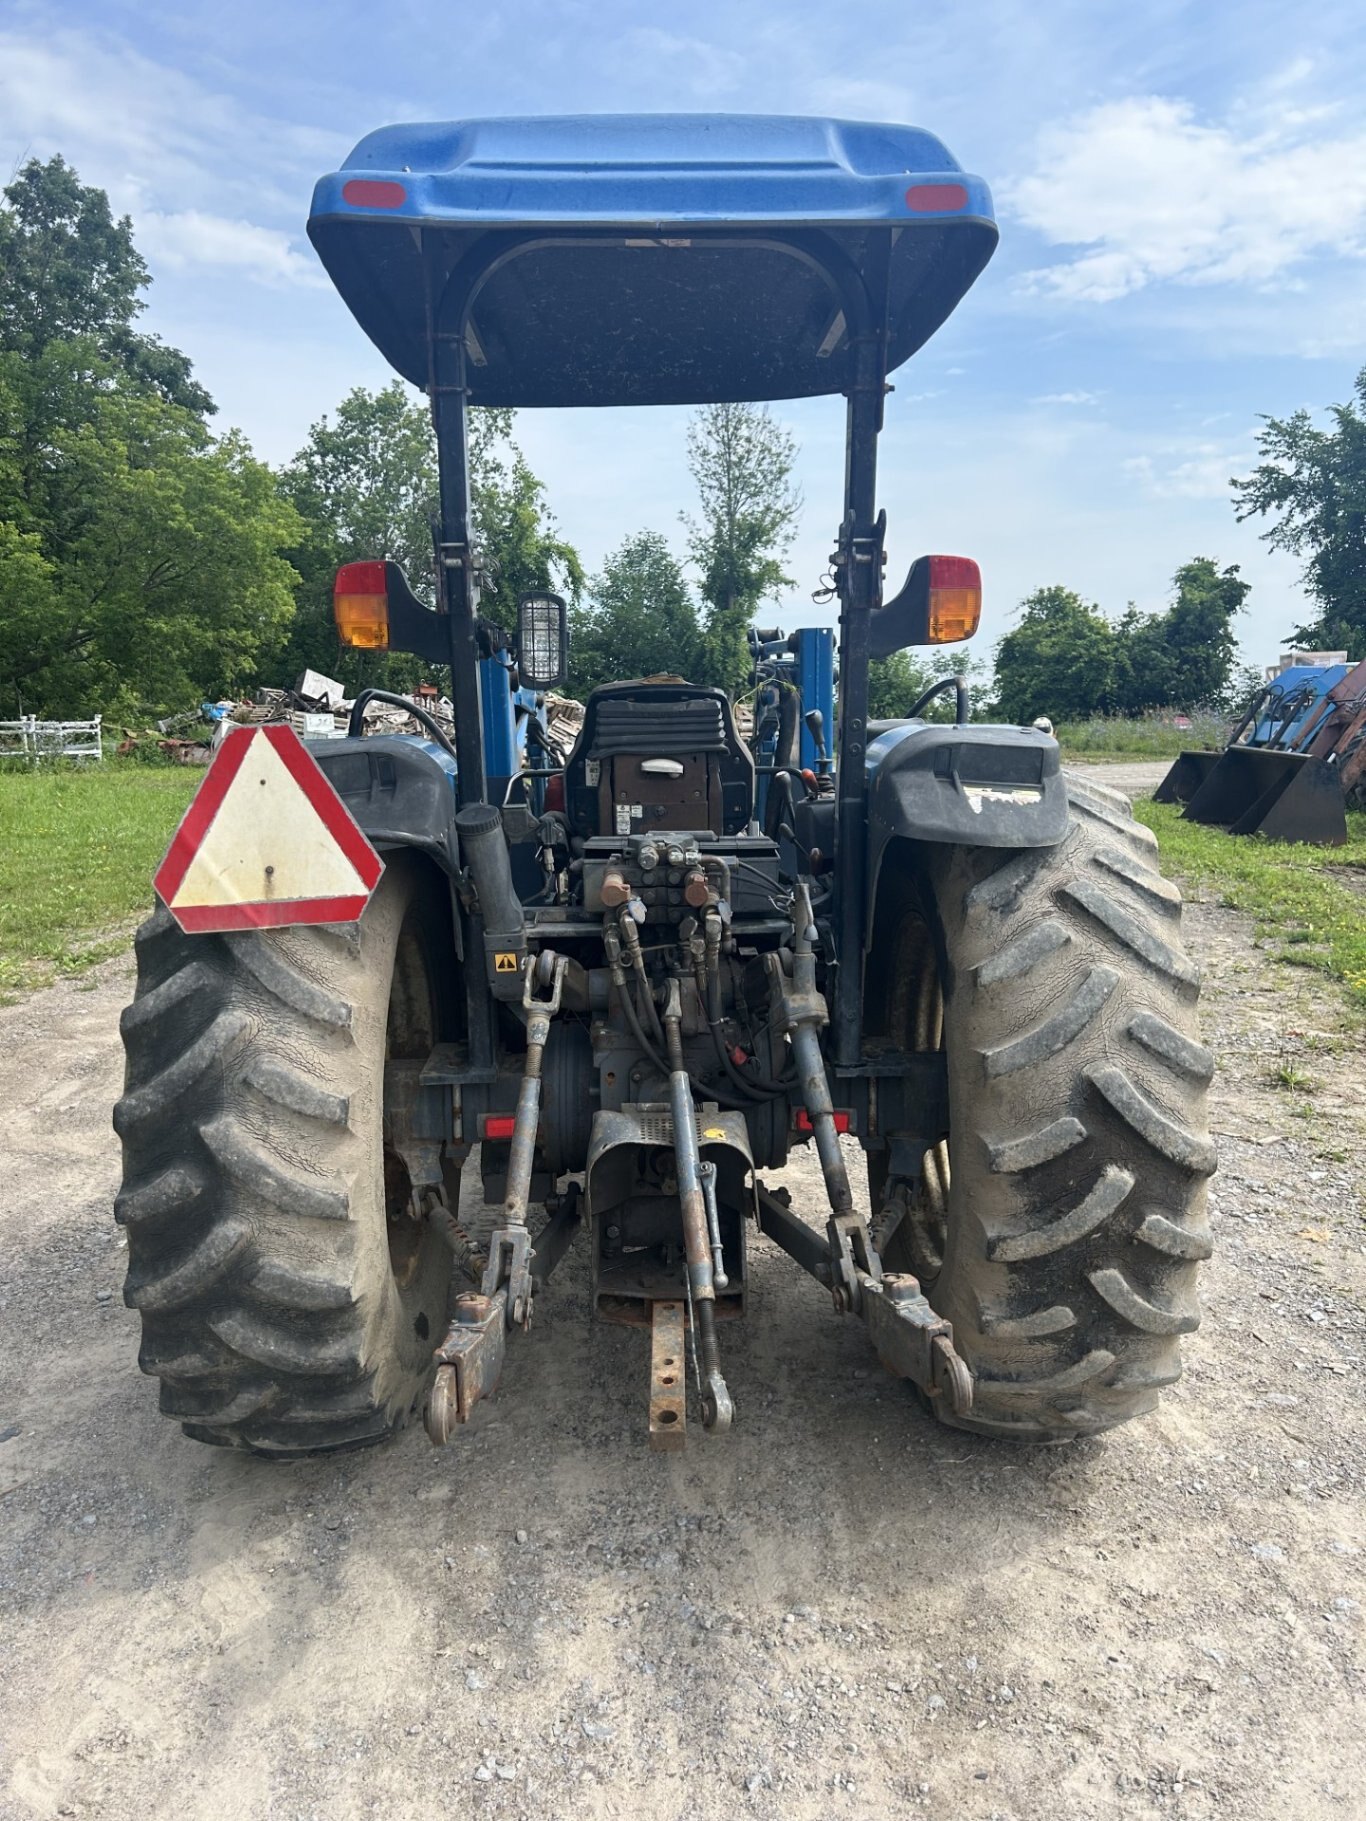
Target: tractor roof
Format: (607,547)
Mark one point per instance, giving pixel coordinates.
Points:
(650,258)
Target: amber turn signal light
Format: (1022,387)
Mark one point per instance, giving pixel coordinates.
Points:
(360,606)
(955,599)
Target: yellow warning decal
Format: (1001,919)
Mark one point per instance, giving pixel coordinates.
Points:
(505,962)
(713,1131)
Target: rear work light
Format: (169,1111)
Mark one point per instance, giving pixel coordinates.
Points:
(542,640)
(360,606)
(801,1121)
(955,599)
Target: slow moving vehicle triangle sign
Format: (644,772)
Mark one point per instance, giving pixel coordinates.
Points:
(265,842)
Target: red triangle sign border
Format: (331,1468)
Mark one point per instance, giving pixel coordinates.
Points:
(198,819)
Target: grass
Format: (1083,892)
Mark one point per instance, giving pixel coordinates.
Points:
(1141,737)
(1300,897)
(78,847)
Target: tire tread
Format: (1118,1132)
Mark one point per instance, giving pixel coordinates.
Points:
(1077,1221)
(238,1187)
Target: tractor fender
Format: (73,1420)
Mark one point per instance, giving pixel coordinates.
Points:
(400,790)
(972,785)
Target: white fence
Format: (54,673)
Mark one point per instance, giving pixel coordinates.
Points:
(31,739)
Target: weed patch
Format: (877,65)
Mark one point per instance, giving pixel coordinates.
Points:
(1305,900)
(1142,736)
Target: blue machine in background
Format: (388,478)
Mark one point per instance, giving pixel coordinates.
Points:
(1290,699)
(509,708)
(794,704)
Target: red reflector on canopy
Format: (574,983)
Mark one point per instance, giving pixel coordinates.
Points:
(499,1125)
(371,193)
(934,198)
(802,1121)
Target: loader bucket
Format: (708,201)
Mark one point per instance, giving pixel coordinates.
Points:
(1189,771)
(1284,796)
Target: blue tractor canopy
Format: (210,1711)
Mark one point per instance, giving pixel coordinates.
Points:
(642,259)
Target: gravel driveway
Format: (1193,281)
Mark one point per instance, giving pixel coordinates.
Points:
(838,1610)
(1138,777)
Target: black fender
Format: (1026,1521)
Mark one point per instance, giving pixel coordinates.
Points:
(972,785)
(401,791)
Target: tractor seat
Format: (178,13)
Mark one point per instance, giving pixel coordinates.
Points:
(656,754)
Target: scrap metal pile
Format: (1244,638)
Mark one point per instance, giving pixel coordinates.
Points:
(318,707)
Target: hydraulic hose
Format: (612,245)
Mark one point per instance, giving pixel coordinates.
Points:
(756,1088)
(1250,714)
(702,1090)
(630,941)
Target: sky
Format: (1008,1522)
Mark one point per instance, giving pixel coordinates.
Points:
(1181,189)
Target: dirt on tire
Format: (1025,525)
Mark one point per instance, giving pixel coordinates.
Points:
(841,1609)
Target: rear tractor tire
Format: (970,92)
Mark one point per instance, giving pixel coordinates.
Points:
(1061,1222)
(290,1300)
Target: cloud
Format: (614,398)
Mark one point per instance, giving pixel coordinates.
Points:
(1152,195)
(1202,472)
(862,98)
(190,239)
(156,138)
(1067,398)
(707,68)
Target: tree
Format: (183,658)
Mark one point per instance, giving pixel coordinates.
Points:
(895,684)
(1313,483)
(1182,658)
(1243,686)
(69,272)
(1060,660)
(365,485)
(639,620)
(140,565)
(741,460)
(149,574)
(522,549)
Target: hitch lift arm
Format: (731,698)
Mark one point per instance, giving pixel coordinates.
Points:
(911,1339)
(469,1361)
